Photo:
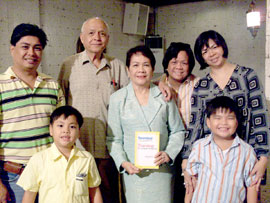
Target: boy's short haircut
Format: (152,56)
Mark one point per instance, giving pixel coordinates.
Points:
(222,102)
(24,29)
(66,111)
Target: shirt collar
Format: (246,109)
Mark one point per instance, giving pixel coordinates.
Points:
(210,140)
(189,79)
(154,91)
(56,154)
(12,75)
(104,60)
(235,71)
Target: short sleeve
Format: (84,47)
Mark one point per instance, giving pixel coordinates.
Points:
(29,179)
(194,164)
(63,78)
(60,98)
(94,179)
(250,163)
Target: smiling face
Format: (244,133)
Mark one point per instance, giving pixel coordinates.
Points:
(94,36)
(140,70)
(27,53)
(223,123)
(65,131)
(213,55)
(178,68)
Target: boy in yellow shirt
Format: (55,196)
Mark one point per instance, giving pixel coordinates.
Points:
(62,173)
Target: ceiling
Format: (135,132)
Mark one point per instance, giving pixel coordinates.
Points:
(157,3)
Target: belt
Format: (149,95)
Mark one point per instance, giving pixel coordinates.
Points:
(13,167)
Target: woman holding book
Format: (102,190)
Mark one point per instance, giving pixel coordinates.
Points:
(140,107)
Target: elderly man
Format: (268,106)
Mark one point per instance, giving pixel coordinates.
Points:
(88,79)
(27,99)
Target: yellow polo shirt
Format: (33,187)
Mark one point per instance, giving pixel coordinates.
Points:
(59,180)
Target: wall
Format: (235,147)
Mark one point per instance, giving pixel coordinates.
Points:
(12,13)
(184,22)
(62,20)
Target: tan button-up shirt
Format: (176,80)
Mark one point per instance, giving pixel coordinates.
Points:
(88,89)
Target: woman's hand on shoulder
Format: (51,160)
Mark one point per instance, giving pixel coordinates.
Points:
(130,168)
(165,90)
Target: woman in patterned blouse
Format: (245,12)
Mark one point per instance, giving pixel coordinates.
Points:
(237,82)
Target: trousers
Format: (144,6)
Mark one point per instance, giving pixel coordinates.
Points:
(109,180)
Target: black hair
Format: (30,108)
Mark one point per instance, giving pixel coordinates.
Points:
(24,29)
(145,51)
(172,52)
(79,46)
(66,111)
(222,102)
(202,41)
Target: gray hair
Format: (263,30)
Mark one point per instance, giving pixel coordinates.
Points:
(98,18)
